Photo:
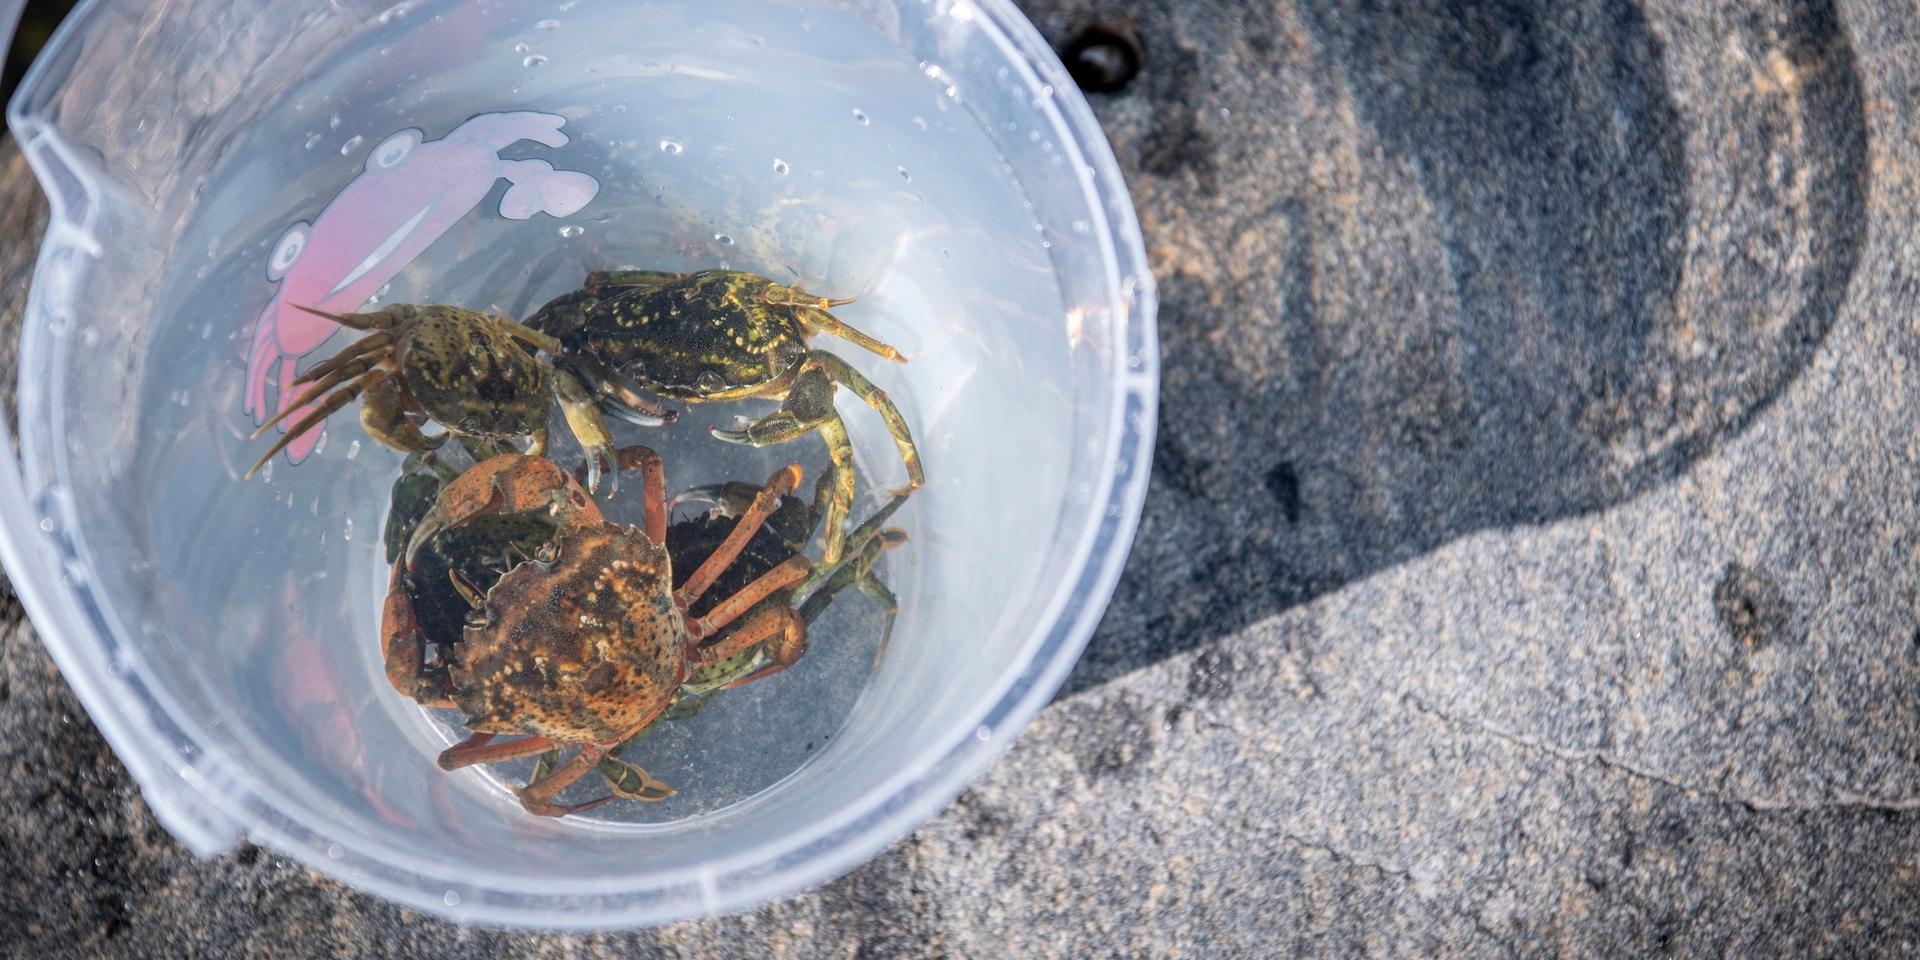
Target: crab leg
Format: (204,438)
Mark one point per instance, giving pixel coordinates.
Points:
(809,407)
(653,489)
(764,503)
(777,624)
(357,349)
(479,748)
(527,335)
(538,796)
(377,320)
(340,398)
(732,608)
(819,320)
(843,372)
(332,379)
(855,570)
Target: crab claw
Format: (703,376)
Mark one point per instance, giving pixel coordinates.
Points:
(637,417)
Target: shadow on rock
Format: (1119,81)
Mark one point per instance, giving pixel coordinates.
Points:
(1518,282)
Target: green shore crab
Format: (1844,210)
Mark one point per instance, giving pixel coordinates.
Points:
(475,374)
(720,335)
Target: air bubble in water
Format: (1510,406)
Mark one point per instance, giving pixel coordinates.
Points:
(522,48)
(533,60)
(333,122)
(352,142)
(860,117)
(669,147)
(313,140)
(547,25)
(780,166)
(46,524)
(348,533)
(723,240)
(1081,226)
(570,231)
(336,851)
(353,450)
(904,175)
(266,471)
(920,122)
(451,899)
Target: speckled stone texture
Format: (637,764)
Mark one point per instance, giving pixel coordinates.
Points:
(1531,561)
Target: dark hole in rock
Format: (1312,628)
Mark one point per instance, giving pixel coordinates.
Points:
(1102,59)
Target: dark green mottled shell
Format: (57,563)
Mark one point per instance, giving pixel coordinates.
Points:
(471,376)
(691,337)
(481,551)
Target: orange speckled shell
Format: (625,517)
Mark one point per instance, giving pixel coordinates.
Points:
(585,648)
(521,483)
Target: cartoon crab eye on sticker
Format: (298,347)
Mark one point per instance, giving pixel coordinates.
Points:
(389,153)
(286,251)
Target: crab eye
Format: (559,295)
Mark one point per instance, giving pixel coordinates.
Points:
(394,149)
(287,250)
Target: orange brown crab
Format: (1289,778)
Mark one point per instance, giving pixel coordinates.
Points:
(587,642)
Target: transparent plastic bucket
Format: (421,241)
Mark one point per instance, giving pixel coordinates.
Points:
(1044,408)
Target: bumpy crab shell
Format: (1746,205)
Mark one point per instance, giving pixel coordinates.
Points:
(583,646)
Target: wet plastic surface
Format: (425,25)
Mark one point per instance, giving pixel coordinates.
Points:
(261,712)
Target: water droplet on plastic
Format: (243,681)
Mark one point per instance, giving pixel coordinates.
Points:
(352,142)
(1081,226)
(723,240)
(318,449)
(206,331)
(336,851)
(571,230)
(313,140)
(904,175)
(780,166)
(522,48)
(451,899)
(266,472)
(533,60)
(669,147)
(333,121)
(860,117)
(920,122)
(353,450)
(547,25)
(953,93)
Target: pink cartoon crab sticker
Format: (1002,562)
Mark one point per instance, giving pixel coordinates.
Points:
(412,191)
